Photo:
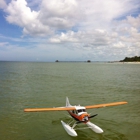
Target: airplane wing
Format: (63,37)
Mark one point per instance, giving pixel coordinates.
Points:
(48,109)
(105,105)
(72,108)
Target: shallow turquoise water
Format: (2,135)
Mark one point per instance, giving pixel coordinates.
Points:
(31,85)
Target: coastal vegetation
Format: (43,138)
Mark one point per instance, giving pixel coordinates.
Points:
(131,59)
(88,61)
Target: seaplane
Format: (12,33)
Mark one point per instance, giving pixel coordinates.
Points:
(79,114)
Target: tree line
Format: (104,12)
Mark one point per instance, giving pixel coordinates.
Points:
(131,59)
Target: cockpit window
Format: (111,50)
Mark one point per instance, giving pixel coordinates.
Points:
(74,111)
(84,110)
(81,110)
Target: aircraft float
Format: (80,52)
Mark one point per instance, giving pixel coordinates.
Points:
(78,113)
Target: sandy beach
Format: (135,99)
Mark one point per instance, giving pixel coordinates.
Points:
(125,62)
(130,62)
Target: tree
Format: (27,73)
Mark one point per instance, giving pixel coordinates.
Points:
(131,59)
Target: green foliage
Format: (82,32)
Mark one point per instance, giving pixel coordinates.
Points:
(131,59)
(88,61)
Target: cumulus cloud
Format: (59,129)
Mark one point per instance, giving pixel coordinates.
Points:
(97,26)
(94,38)
(60,14)
(56,15)
(119,45)
(20,14)
(2,4)
(133,21)
(52,15)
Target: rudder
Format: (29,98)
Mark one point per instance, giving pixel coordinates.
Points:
(67,102)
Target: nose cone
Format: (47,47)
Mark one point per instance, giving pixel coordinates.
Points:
(86,118)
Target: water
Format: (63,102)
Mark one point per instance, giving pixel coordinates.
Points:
(32,85)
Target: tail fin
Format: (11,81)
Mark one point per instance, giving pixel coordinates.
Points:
(67,102)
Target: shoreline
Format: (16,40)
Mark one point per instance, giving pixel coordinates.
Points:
(126,62)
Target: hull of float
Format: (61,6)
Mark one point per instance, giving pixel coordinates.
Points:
(94,127)
(69,129)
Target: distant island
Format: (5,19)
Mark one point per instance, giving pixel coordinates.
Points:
(131,59)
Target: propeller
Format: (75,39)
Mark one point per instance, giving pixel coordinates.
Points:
(93,116)
(86,119)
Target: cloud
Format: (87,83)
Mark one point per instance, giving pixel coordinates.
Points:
(52,15)
(2,4)
(119,45)
(68,37)
(95,28)
(20,14)
(93,38)
(56,15)
(60,14)
(133,21)
(3,44)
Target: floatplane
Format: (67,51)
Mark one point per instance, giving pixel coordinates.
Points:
(78,113)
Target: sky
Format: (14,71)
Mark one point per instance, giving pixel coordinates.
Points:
(69,30)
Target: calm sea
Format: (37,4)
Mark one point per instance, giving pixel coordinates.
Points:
(36,84)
